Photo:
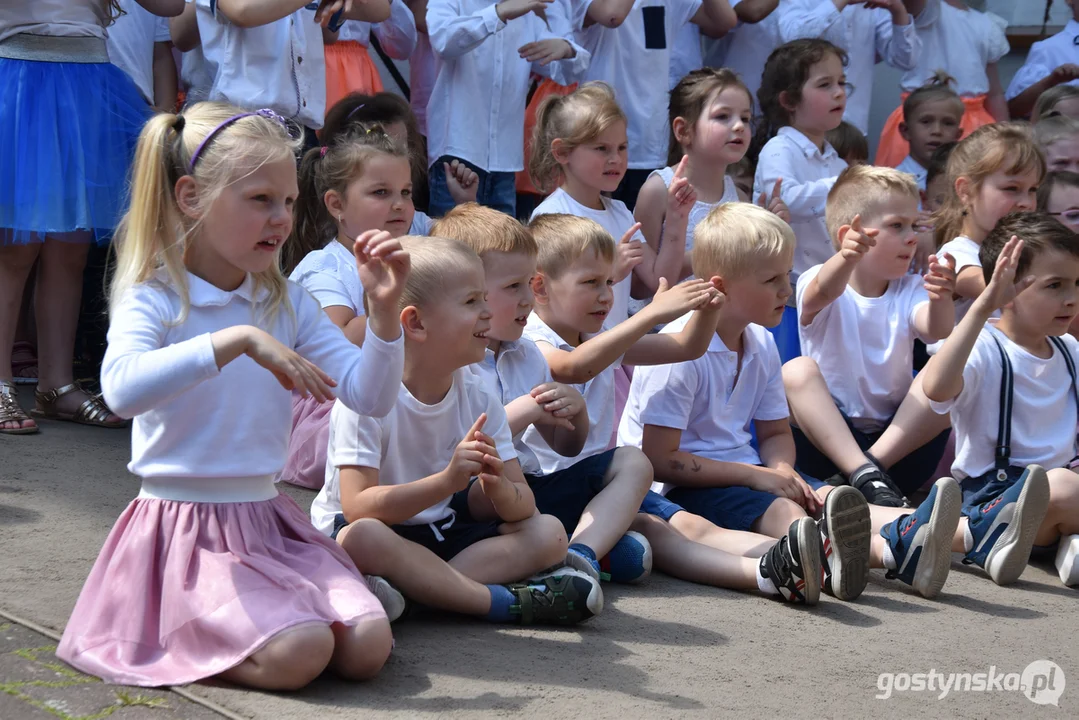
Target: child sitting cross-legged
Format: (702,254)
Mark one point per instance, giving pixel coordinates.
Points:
(858,411)
(430,500)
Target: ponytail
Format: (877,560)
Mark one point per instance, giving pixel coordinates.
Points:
(312,227)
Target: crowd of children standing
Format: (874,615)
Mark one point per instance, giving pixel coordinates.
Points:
(723,346)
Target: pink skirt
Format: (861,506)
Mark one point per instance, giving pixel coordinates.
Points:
(306,462)
(184,591)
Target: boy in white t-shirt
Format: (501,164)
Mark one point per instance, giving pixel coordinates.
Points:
(857,410)
(696,421)
(1010,388)
(430,499)
(606,488)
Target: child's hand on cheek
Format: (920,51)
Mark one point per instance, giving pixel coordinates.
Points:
(628,254)
(940,280)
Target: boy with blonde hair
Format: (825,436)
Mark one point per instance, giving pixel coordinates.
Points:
(859,419)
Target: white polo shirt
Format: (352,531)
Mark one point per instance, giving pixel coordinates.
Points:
(477,106)
(865,33)
(913,167)
(1046,56)
(331,275)
(280,65)
(1043,407)
(519,367)
(414,441)
(131,44)
(598,396)
(865,347)
(709,399)
(635,59)
(962,42)
(808,175)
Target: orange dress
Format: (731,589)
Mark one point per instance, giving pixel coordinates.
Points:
(893,148)
(349,69)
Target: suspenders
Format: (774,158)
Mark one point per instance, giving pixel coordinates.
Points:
(1003,452)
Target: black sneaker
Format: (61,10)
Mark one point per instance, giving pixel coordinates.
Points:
(845,530)
(565,597)
(877,487)
(793,563)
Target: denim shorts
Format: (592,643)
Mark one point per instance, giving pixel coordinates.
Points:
(735,508)
(566,493)
(661,507)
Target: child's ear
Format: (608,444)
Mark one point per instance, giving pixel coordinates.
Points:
(719,283)
(840,234)
(785,102)
(963,189)
(539,288)
(412,323)
(187,197)
(333,202)
(680,128)
(559,150)
(903,131)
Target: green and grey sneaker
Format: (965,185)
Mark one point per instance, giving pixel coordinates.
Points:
(565,597)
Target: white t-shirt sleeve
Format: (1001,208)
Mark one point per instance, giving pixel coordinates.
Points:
(773,404)
(983,353)
(326,284)
(667,393)
(998,40)
(799,295)
(498,427)
(161,30)
(963,251)
(357,440)
(682,11)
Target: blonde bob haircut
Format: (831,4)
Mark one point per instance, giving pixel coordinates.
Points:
(734,237)
(862,190)
(154,233)
(563,239)
(485,230)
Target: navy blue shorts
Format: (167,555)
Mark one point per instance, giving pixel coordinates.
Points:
(985,487)
(661,507)
(447,537)
(734,508)
(566,493)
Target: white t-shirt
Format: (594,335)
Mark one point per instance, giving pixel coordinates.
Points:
(55,18)
(965,253)
(709,399)
(131,44)
(519,367)
(421,80)
(413,441)
(635,59)
(808,176)
(421,224)
(686,53)
(195,420)
(616,219)
(913,167)
(598,396)
(865,347)
(700,210)
(1046,56)
(960,42)
(197,76)
(1043,407)
(745,49)
(330,274)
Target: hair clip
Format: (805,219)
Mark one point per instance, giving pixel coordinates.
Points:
(355,110)
(323,151)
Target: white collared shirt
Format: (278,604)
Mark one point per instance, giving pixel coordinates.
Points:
(519,367)
(1046,56)
(710,399)
(331,275)
(745,49)
(131,44)
(961,42)
(397,35)
(598,396)
(635,59)
(421,80)
(1043,407)
(476,109)
(280,65)
(808,175)
(415,440)
(195,420)
(864,347)
(865,33)
(913,167)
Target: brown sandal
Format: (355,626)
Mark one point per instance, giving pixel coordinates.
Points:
(11,411)
(93,410)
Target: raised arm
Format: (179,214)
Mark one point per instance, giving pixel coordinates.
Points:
(715,18)
(831,282)
(398,34)
(184,29)
(753,11)
(163,8)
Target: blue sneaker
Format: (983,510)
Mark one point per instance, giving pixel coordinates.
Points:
(629,561)
(1004,527)
(921,542)
(583,559)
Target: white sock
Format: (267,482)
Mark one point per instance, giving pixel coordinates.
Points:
(887,558)
(765,585)
(968,539)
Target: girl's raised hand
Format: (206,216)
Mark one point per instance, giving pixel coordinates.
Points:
(461,181)
(776,206)
(681,195)
(292,370)
(628,254)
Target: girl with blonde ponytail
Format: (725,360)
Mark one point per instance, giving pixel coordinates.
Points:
(206,338)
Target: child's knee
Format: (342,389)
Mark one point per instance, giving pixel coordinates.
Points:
(1063,490)
(631,465)
(799,373)
(363,650)
(293,658)
(548,537)
(780,514)
(369,543)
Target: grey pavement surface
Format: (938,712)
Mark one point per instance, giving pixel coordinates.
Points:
(665,649)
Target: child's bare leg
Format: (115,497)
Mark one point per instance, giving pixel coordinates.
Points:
(289,660)
(696,560)
(777,519)
(607,517)
(1062,518)
(914,424)
(360,651)
(814,412)
(522,549)
(413,569)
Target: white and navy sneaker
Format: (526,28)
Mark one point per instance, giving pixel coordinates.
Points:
(794,565)
(921,542)
(1004,528)
(844,529)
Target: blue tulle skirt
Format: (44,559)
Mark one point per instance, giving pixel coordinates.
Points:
(67,138)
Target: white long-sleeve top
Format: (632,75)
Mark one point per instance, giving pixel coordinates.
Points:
(865,33)
(397,35)
(477,106)
(194,420)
